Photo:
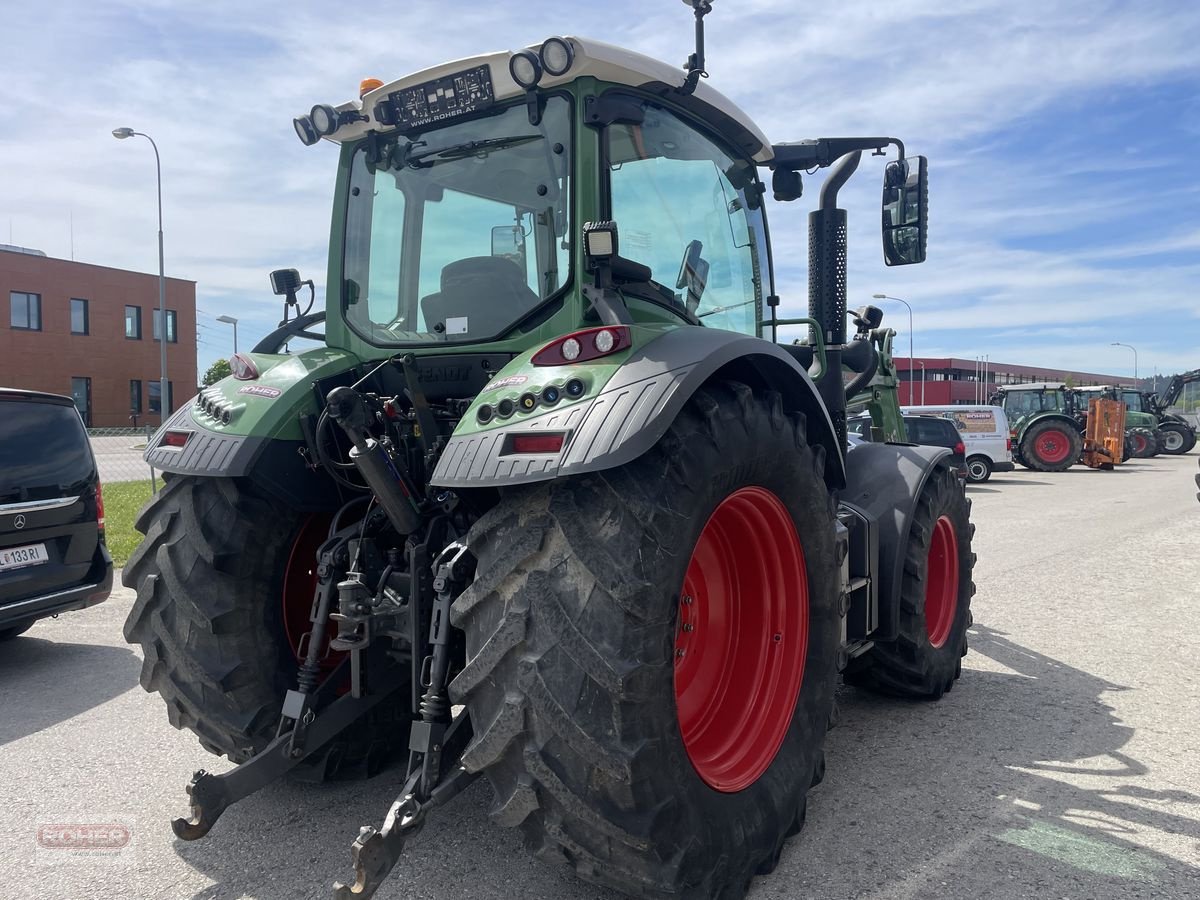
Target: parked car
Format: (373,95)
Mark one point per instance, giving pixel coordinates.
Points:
(984,431)
(932,431)
(52,552)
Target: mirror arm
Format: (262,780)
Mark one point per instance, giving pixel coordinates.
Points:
(838,177)
(824,152)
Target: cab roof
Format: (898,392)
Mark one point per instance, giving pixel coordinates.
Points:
(595,59)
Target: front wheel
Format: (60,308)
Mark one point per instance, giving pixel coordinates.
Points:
(1145,443)
(1176,439)
(935,600)
(651,652)
(979,469)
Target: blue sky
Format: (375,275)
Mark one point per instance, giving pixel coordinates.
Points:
(1064,197)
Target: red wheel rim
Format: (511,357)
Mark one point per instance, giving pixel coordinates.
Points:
(742,639)
(941,582)
(299,587)
(1053,445)
(1139,443)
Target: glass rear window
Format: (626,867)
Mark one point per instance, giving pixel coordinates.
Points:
(44,452)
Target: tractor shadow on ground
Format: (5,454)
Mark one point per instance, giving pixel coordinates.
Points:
(1016,784)
(49,681)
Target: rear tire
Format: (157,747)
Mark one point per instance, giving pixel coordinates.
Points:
(979,469)
(1145,443)
(1052,446)
(935,600)
(573,628)
(1175,439)
(209,618)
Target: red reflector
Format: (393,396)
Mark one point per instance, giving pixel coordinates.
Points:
(175,439)
(537,443)
(960,447)
(99,507)
(243,367)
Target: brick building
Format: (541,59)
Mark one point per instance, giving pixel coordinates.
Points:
(944,381)
(92,333)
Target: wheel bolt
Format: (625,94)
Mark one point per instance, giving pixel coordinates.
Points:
(688,626)
(679,652)
(687,601)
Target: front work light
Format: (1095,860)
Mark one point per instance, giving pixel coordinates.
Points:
(599,241)
(525,68)
(324,119)
(557,55)
(304,130)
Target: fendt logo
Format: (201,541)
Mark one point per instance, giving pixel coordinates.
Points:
(112,836)
(19,522)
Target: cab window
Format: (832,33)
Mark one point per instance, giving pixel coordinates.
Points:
(689,210)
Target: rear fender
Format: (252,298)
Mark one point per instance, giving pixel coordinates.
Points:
(883,482)
(263,438)
(634,409)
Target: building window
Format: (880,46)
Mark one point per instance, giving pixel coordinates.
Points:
(26,311)
(154,391)
(133,322)
(79,316)
(135,397)
(81,393)
(172,336)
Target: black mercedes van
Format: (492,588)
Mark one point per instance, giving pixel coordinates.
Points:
(52,552)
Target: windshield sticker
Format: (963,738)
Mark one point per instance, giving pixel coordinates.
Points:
(510,381)
(456,325)
(261,390)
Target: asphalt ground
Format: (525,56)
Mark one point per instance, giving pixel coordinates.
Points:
(1065,764)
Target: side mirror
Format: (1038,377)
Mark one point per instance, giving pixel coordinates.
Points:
(509,241)
(285,282)
(905,211)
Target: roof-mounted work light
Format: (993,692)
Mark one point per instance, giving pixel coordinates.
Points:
(557,55)
(525,68)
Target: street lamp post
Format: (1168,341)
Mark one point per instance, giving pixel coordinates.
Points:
(1134,349)
(911,367)
(230,320)
(163,393)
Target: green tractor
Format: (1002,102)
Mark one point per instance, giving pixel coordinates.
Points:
(548,503)
(1143,439)
(1174,434)
(1046,434)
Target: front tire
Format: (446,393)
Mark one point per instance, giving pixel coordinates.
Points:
(595,595)
(1176,439)
(212,622)
(1145,443)
(15,631)
(935,600)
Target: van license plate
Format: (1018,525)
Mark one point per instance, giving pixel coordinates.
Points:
(29,555)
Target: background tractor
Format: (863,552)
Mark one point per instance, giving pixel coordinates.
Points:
(1046,435)
(1141,428)
(1173,433)
(547,502)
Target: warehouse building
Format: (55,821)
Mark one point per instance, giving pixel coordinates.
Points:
(943,381)
(92,333)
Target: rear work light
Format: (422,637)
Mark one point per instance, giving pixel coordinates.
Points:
(582,346)
(99,507)
(536,443)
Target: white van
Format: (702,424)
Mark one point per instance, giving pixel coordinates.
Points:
(984,431)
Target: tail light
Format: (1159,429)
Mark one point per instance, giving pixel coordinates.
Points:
(99,507)
(1008,444)
(581,346)
(243,367)
(960,447)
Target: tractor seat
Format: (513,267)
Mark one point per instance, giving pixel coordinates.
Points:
(488,292)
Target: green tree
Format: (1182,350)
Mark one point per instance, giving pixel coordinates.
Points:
(218,370)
